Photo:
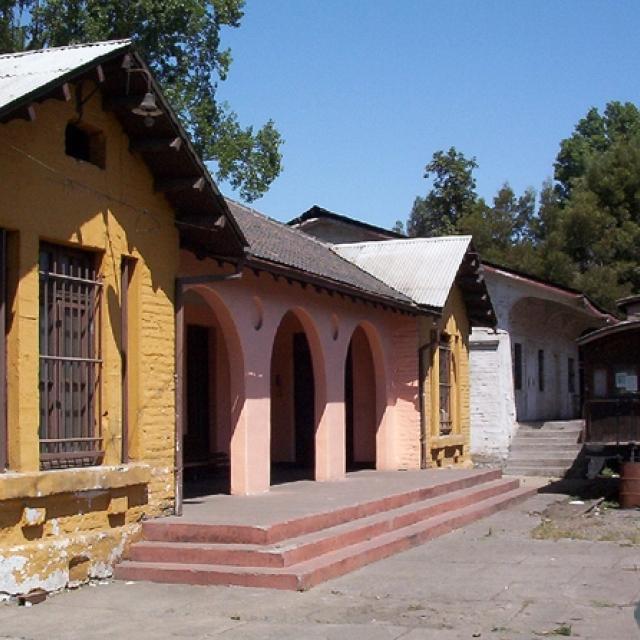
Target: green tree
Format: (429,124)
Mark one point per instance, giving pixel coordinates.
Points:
(398,227)
(597,219)
(593,135)
(452,195)
(180,40)
(505,232)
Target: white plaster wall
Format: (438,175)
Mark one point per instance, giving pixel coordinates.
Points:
(493,419)
(538,317)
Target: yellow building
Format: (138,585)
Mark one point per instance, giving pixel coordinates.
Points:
(443,277)
(97,191)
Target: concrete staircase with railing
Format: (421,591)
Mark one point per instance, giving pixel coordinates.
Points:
(546,449)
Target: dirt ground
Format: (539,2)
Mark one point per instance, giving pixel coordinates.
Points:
(589,511)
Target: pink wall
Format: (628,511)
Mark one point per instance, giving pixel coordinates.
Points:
(249,311)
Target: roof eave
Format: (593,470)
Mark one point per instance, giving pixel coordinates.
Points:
(43,91)
(330,284)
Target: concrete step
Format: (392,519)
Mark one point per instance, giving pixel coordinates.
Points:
(545,472)
(555,457)
(531,446)
(307,546)
(179,530)
(541,462)
(575,425)
(303,575)
(548,435)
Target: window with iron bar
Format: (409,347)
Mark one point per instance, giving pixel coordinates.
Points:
(70,358)
(444,381)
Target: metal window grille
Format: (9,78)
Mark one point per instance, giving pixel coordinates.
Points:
(70,358)
(444,381)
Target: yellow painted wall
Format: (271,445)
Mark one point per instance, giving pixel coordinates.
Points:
(452,449)
(46,195)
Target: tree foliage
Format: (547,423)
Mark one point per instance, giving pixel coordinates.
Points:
(451,197)
(584,229)
(180,40)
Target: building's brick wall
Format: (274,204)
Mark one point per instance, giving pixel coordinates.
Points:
(404,363)
(72,530)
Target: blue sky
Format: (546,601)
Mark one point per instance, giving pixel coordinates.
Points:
(364,91)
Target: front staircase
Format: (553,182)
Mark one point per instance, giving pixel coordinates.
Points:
(546,449)
(298,553)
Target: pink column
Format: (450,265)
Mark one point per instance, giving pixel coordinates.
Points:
(330,434)
(251,438)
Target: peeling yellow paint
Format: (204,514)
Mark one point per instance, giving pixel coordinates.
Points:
(67,525)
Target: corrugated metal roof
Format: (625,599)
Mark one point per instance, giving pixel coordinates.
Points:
(422,268)
(24,73)
(277,243)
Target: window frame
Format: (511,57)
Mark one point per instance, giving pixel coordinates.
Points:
(70,355)
(445,387)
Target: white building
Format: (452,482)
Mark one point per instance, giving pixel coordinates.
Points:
(528,369)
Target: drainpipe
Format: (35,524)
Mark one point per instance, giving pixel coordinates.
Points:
(181,283)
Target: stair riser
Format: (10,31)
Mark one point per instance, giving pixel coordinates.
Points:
(538,473)
(177,575)
(404,520)
(285,558)
(542,447)
(378,553)
(542,463)
(543,435)
(211,533)
(303,581)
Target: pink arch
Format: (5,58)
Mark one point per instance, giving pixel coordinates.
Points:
(318,363)
(235,353)
(380,378)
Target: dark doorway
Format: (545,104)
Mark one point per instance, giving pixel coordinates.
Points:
(304,400)
(196,445)
(360,404)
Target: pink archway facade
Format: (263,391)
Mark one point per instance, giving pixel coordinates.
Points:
(249,310)
(372,435)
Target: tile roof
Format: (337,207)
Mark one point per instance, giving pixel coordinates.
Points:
(23,73)
(277,243)
(424,269)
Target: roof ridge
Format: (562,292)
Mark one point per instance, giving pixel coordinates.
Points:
(308,238)
(283,225)
(372,243)
(78,45)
